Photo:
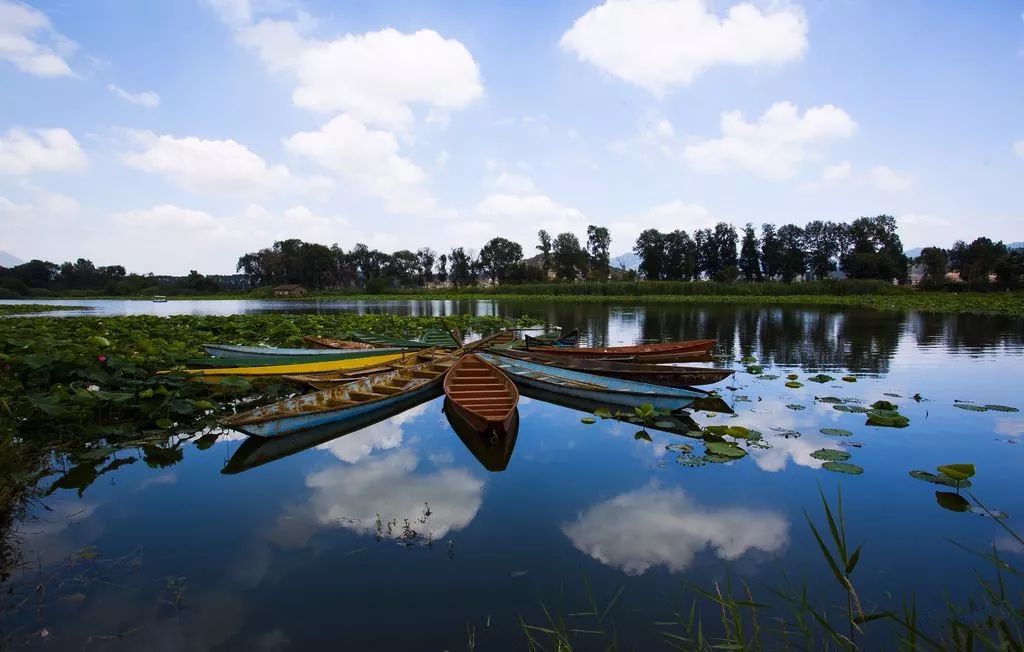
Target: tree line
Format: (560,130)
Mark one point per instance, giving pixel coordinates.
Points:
(977,262)
(42,278)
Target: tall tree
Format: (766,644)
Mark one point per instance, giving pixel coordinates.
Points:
(545,251)
(791,244)
(707,252)
(599,243)
(726,239)
(650,248)
(976,261)
(823,245)
(442,268)
(461,267)
(569,258)
(750,261)
(875,250)
(426,257)
(934,260)
(771,251)
(680,256)
(499,257)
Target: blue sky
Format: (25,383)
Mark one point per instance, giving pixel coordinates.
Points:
(174,135)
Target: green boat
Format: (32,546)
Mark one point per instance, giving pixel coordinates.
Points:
(431,337)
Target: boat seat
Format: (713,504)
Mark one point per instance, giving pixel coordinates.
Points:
(366,396)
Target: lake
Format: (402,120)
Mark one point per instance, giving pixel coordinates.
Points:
(398,537)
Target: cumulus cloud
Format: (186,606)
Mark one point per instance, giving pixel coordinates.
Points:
(888,180)
(367,160)
(375,77)
(206,166)
(537,210)
(352,497)
(39,150)
(148,99)
(654,132)
(658,44)
(775,145)
(385,435)
(652,526)
(29,41)
(837,172)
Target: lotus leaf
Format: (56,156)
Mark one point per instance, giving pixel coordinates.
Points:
(724,449)
(755,369)
(820,378)
(938,479)
(791,376)
(1002,408)
(794,384)
(849,379)
(836,432)
(858,409)
(588,420)
(842,467)
(885,405)
(830,455)
(887,419)
(952,501)
(603,413)
(957,472)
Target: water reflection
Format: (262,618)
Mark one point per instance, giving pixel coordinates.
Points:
(654,526)
(492,450)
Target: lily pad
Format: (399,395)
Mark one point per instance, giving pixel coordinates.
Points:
(836,432)
(887,419)
(832,400)
(588,420)
(885,405)
(821,378)
(958,472)
(679,448)
(725,449)
(768,377)
(1002,408)
(830,455)
(843,467)
(971,407)
(794,384)
(952,501)
(755,369)
(791,376)
(849,379)
(891,394)
(938,479)
(603,413)
(796,406)
(857,409)
(642,434)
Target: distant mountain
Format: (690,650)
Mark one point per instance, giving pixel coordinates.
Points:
(9,260)
(628,260)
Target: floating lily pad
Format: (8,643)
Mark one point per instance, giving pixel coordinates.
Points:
(768,377)
(664,424)
(739,432)
(830,455)
(791,376)
(952,501)
(891,394)
(679,448)
(938,479)
(755,369)
(836,432)
(603,413)
(794,384)
(971,407)
(858,409)
(821,378)
(588,420)
(1001,408)
(832,400)
(642,434)
(958,472)
(842,467)
(887,419)
(885,405)
(725,449)
(718,459)
(796,406)
(849,379)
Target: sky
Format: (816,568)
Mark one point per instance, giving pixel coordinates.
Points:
(170,135)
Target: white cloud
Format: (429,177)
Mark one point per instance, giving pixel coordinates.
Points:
(652,526)
(654,131)
(669,216)
(207,166)
(889,180)
(513,183)
(775,145)
(545,211)
(29,41)
(352,497)
(385,435)
(658,44)
(1018,148)
(43,150)
(165,215)
(833,174)
(367,160)
(148,99)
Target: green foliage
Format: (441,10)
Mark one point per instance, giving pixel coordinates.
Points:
(957,472)
(887,418)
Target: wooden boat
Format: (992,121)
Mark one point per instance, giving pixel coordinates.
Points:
(493,451)
(499,339)
(327,380)
(266,360)
(609,391)
(439,337)
(483,396)
(257,451)
(572,338)
(332,343)
(239,351)
(348,364)
(378,392)
(663,352)
(656,374)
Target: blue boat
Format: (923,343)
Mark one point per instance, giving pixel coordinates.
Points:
(240,351)
(607,391)
(363,397)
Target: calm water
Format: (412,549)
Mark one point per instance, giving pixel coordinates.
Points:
(396,537)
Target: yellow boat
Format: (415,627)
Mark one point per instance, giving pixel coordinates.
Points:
(215,374)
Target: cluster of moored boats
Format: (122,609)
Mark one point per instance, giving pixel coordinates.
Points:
(364,375)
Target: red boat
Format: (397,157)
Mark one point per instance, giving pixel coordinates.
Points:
(483,396)
(663,352)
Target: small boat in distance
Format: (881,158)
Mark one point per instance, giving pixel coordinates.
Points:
(481,395)
(337,405)
(663,352)
(657,374)
(607,391)
(159,299)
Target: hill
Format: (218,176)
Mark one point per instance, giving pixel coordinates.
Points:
(9,260)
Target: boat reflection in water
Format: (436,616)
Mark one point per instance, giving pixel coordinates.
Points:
(492,449)
(257,451)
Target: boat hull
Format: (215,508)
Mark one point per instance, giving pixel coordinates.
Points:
(481,394)
(493,451)
(345,364)
(608,391)
(665,352)
(666,375)
(239,351)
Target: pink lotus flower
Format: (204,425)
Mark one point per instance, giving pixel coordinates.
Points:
(101,358)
